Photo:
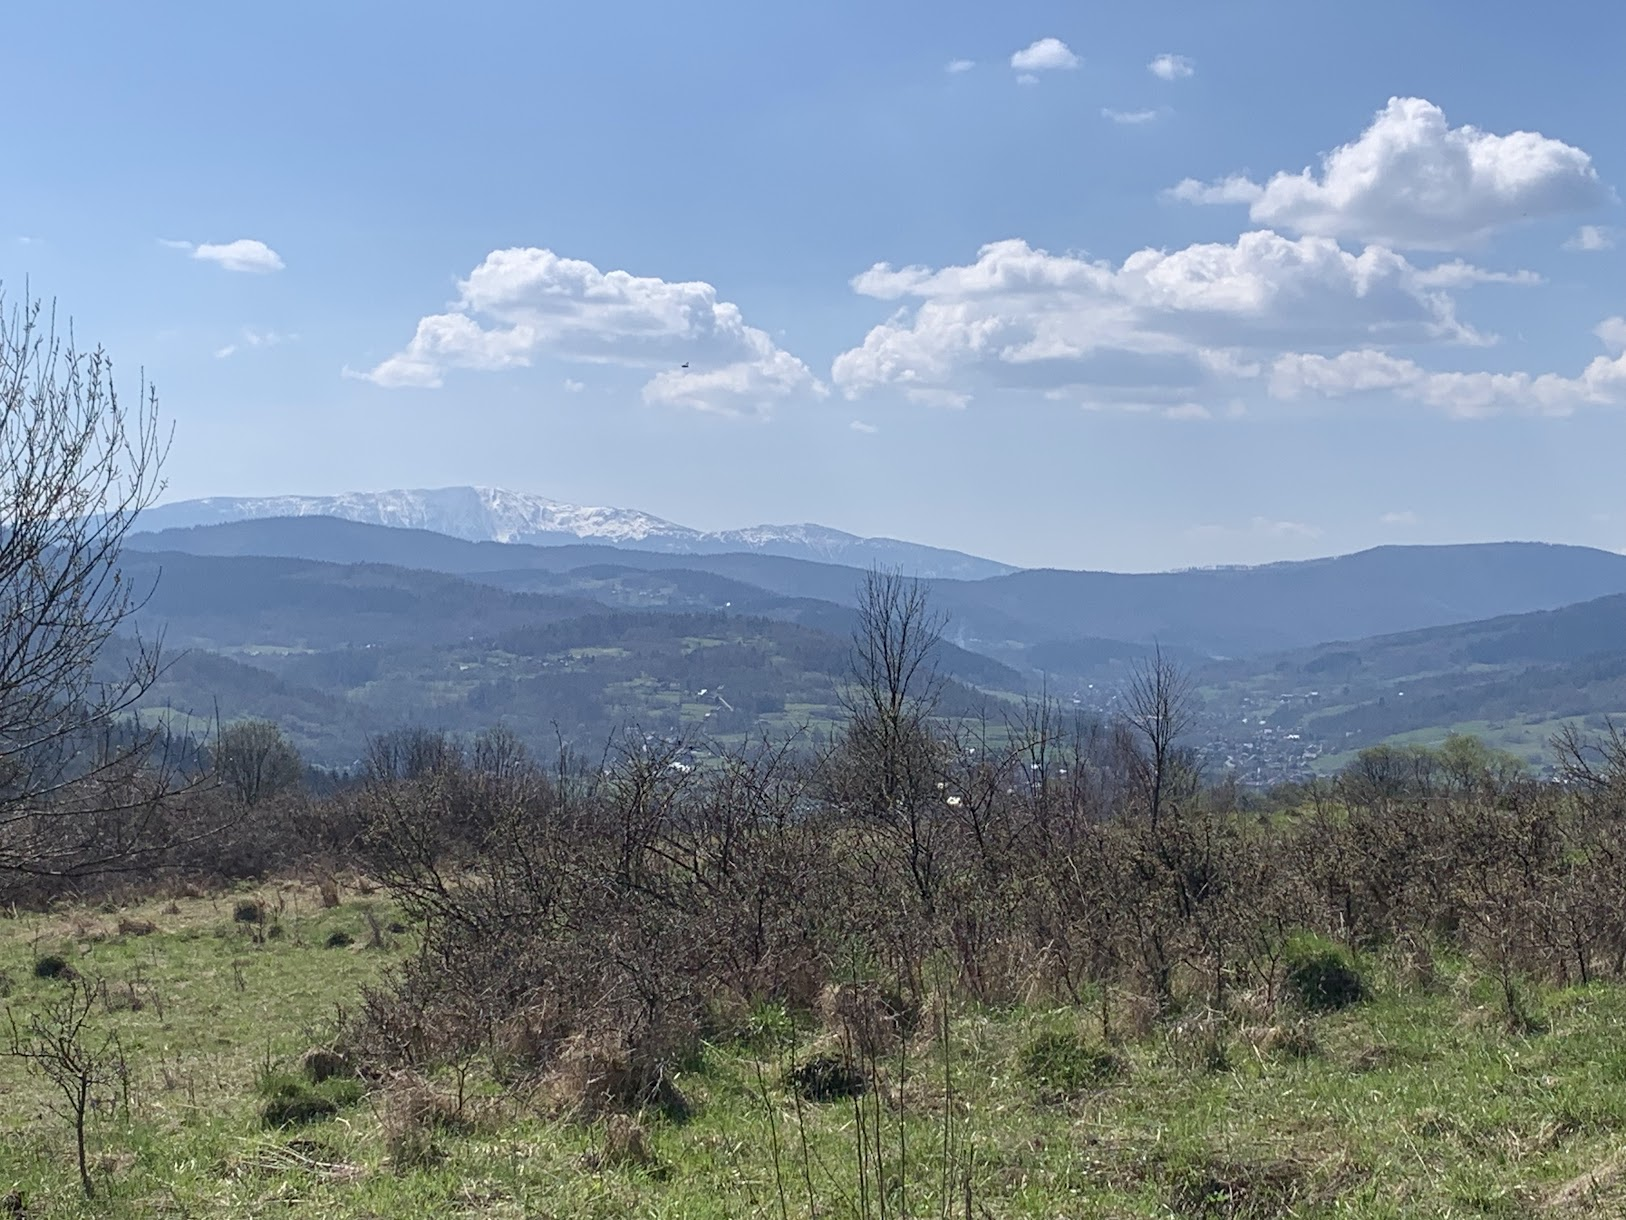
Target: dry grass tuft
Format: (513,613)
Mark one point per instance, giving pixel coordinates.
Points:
(414,1116)
(1132,1017)
(862,1017)
(1600,1191)
(1293,1039)
(324,1063)
(328,887)
(529,1039)
(1200,1040)
(304,1157)
(1223,1187)
(625,1144)
(604,1073)
(89,931)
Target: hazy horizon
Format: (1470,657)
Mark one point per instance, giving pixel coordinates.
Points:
(169,501)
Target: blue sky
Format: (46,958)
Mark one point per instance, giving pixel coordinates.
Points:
(1131,286)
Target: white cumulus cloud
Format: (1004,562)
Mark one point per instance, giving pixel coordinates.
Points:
(1411,180)
(1045,55)
(244,254)
(1465,395)
(956,66)
(1153,329)
(1130,117)
(522,303)
(1171,67)
(1592,237)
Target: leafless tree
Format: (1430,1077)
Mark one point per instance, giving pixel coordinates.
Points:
(1593,764)
(256,761)
(889,752)
(1160,708)
(79,790)
(58,1043)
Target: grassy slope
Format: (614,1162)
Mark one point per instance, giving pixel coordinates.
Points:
(1418,1103)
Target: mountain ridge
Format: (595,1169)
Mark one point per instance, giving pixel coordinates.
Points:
(493,514)
(1235,612)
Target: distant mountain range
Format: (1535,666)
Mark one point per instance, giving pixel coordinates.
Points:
(490,514)
(1213,612)
(340,628)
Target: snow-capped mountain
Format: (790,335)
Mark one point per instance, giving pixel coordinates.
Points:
(490,514)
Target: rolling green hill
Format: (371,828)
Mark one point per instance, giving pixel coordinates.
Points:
(336,652)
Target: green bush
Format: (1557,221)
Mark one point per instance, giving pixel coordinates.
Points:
(290,1101)
(1063,1063)
(339,940)
(1322,976)
(826,1078)
(51,966)
(294,1104)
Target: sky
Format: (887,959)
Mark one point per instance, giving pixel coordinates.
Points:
(1111,286)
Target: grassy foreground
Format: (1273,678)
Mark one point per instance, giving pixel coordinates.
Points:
(1418,1102)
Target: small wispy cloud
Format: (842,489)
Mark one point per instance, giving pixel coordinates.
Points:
(1171,67)
(956,66)
(1400,518)
(1027,78)
(245,254)
(1234,189)
(1045,55)
(1188,410)
(251,338)
(1129,117)
(859,425)
(572,386)
(1284,529)
(1592,237)
(1258,527)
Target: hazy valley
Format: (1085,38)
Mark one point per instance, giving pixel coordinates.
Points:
(365,627)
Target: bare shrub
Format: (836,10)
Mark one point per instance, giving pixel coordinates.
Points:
(58,1042)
